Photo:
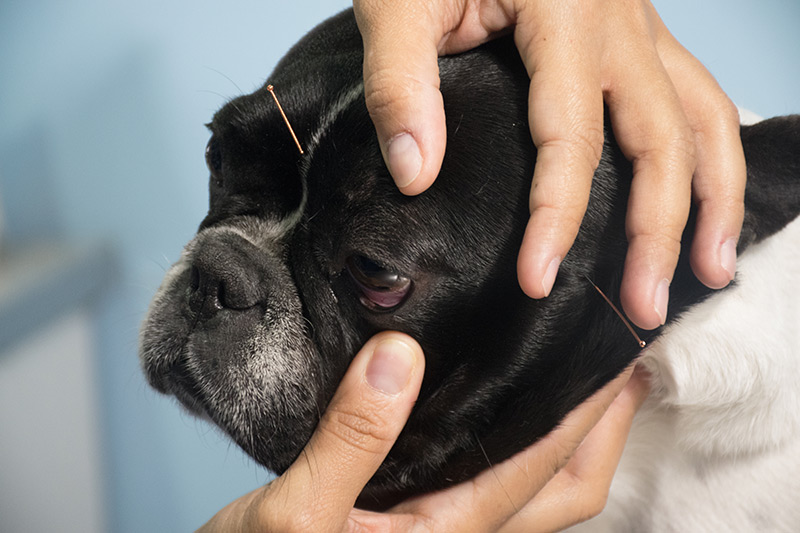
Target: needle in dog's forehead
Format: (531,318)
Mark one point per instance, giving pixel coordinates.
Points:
(642,343)
(271,90)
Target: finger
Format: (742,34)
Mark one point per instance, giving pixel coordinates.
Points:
(353,437)
(402,41)
(579,490)
(490,499)
(566,121)
(401,87)
(653,133)
(719,179)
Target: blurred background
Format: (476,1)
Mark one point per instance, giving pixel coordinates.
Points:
(102,181)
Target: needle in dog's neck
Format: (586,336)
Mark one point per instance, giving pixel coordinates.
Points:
(271,90)
(642,343)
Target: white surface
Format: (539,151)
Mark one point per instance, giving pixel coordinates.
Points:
(716,447)
(50,467)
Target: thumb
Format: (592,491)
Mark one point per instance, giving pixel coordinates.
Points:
(357,430)
(401,88)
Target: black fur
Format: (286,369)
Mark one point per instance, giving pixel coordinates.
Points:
(501,369)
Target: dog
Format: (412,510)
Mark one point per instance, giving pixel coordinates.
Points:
(302,257)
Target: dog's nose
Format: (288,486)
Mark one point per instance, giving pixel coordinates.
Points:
(225,273)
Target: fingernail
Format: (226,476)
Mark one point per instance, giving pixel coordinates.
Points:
(390,368)
(661,300)
(727,257)
(404,159)
(549,277)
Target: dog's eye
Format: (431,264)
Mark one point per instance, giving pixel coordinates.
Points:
(381,289)
(214,160)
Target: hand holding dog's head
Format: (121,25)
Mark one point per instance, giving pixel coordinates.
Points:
(303,257)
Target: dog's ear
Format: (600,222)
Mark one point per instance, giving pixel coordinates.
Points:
(772,197)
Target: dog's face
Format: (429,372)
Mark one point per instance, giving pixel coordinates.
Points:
(303,257)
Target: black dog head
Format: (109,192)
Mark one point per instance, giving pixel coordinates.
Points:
(303,257)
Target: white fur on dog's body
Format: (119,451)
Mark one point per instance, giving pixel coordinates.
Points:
(716,447)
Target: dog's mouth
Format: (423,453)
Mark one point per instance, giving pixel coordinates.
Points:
(186,388)
(251,370)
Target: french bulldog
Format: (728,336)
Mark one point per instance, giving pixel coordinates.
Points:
(302,257)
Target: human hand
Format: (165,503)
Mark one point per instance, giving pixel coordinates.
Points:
(670,117)
(529,492)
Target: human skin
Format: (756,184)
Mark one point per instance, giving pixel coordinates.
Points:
(559,481)
(670,117)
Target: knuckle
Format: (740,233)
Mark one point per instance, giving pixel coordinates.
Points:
(727,111)
(718,112)
(669,147)
(363,431)
(381,91)
(721,200)
(387,89)
(681,143)
(557,216)
(593,136)
(678,149)
(683,146)
(731,206)
(584,142)
(662,224)
(657,244)
(395,100)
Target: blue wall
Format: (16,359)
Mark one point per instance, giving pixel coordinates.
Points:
(102,106)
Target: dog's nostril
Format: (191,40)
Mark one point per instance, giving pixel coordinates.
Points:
(225,273)
(206,291)
(194,279)
(221,294)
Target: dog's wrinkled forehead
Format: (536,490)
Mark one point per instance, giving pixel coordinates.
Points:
(256,169)
(328,116)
